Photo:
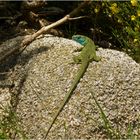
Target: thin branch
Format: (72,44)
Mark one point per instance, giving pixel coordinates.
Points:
(77,18)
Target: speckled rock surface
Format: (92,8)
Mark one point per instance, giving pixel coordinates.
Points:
(5,98)
(115,81)
(7,76)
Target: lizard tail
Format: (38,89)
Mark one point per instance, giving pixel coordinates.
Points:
(66,99)
(68,95)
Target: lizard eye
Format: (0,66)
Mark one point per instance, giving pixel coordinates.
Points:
(78,37)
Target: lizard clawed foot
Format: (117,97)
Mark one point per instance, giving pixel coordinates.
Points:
(77,59)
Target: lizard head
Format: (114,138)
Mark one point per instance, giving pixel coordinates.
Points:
(83,40)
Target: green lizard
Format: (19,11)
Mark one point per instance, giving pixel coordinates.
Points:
(87,55)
